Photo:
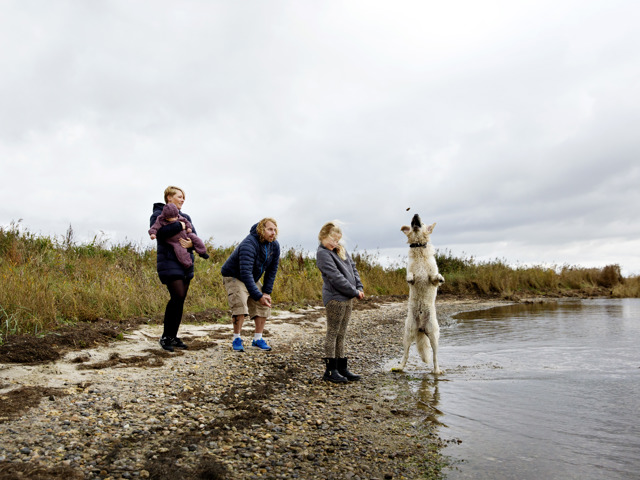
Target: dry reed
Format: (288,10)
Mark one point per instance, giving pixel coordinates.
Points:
(50,282)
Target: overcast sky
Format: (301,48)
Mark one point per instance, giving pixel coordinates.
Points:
(512,124)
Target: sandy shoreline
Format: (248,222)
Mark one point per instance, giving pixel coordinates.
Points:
(131,410)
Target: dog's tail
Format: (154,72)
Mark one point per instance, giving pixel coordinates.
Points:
(423,345)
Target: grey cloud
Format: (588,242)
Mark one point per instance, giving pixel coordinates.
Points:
(506,124)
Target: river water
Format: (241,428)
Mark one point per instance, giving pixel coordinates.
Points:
(543,391)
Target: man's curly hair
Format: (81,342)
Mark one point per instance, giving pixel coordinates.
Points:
(262,224)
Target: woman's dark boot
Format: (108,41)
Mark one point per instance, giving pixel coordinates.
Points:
(344,371)
(165,342)
(331,373)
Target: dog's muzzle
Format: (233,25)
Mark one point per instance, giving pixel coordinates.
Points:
(416,223)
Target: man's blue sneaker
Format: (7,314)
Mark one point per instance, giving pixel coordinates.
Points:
(237,345)
(261,344)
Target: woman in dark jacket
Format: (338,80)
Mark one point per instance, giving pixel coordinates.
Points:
(171,272)
(341,284)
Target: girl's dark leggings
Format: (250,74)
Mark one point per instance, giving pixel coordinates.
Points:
(338,314)
(173,313)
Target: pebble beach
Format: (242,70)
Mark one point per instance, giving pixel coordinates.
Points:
(131,410)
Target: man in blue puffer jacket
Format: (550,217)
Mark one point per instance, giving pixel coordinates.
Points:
(257,255)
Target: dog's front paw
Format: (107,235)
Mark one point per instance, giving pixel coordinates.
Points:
(410,279)
(437,280)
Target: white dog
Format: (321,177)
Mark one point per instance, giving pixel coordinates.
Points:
(421,324)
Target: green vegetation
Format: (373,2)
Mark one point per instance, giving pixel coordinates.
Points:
(49,282)
(496,278)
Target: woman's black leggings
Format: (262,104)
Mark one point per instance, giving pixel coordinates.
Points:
(173,313)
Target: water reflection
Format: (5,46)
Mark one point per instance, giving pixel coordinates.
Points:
(428,398)
(516,310)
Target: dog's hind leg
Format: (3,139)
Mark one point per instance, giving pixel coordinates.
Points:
(433,339)
(407,346)
(406,342)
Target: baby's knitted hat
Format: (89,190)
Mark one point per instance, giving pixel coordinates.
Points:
(170,211)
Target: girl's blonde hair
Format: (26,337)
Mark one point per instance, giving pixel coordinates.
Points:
(170,191)
(329,229)
(262,224)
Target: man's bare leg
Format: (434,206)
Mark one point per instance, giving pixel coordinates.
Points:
(238,321)
(260,321)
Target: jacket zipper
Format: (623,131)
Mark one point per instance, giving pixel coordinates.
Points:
(266,256)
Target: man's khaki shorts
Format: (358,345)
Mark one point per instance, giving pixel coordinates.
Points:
(240,302)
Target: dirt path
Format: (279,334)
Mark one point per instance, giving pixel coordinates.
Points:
(130,410)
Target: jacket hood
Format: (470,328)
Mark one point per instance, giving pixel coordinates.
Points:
(157,207)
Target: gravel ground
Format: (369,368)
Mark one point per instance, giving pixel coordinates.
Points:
(131,410)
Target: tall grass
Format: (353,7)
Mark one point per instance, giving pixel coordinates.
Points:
(378,280)
(497,278)
(47,282)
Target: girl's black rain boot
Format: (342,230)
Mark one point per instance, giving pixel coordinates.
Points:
(344,371)
(331,373)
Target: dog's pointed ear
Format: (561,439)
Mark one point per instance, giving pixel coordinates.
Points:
(405,229)
(430,228)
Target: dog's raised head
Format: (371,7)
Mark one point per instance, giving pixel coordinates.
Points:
(418,232)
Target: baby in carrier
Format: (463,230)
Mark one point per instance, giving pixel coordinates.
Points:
(169,215)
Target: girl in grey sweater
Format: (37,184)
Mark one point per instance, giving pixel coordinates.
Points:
(341,284)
